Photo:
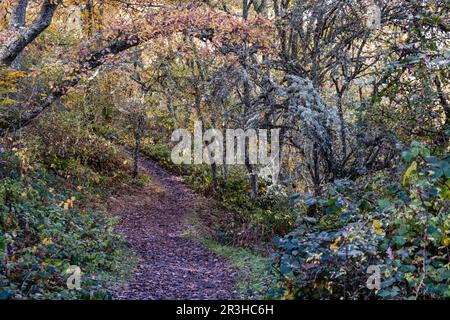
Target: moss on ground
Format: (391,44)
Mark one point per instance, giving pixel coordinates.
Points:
(253,272)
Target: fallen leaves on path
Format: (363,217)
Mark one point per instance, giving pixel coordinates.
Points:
(171,266)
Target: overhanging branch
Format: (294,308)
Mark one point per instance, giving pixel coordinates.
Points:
(92,61)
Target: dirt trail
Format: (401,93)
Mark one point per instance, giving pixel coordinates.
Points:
(171,266)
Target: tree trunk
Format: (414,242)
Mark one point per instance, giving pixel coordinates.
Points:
(136,152)
(214,177)
(23,37)
(18,15)
(253,176)
(253,179)
(18,21)
(224,165)
(245,9)
(316,177)
(343,135)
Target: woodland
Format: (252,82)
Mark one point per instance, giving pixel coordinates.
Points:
(92,90)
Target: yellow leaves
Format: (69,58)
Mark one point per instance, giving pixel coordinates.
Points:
(24,157)
(377,226)
(411,169)
(9,77)
(378,231)
(335,245)
(69,203)
(8,80)
(47,241)
(445,241)
(288,295)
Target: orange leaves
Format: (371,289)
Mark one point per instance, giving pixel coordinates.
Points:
(208,24)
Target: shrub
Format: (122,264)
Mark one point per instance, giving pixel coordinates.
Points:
(405,232)
(43,232)
(161,154)
(64,145)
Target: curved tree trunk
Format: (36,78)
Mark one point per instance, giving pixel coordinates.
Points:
(23,35)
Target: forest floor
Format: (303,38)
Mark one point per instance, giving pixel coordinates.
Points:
(171,265)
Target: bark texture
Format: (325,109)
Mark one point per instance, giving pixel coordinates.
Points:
(24,35)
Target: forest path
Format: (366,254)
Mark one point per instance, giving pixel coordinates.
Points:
(171,266)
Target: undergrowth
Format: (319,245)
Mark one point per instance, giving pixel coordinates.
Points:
(48,223)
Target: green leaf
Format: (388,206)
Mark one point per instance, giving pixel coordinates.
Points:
(411,169)
(399,240)
(384,204)
(407,156)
